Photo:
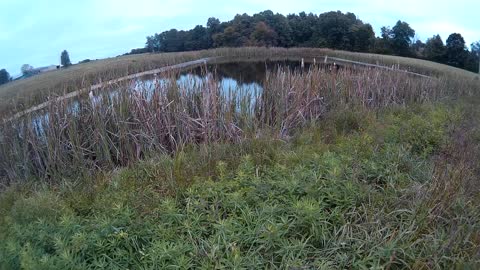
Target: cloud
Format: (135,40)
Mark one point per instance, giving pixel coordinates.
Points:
(444,29)
(125,30)
(128,9)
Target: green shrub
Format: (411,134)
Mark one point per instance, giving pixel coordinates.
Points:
(423,131)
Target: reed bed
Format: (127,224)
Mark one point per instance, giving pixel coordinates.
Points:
(134,120)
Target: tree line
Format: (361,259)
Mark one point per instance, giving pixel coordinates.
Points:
(336,30)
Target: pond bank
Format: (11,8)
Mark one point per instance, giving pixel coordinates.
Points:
(102,84)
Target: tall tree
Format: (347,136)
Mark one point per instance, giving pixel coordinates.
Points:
(435,49)
(418,48)
(264,35)
(456,51)
(342,31)
(333,28)
(475,49)
(302,26)
(197,39)
(382,44)
(26,69)
(278,23)
(153,43)
(386,32)
(213,25)
(402,35)
(4,76)
(230,37)
(363,37)
(65,59)
(172,41)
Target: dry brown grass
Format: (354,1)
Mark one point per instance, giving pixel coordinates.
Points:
(21,95)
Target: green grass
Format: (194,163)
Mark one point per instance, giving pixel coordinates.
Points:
(357,191)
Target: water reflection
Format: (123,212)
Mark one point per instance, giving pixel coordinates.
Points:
(234,79)
(248,72)
(244,77)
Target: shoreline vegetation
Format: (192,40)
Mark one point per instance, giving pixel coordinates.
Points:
(117,131)
(101,85)
(23,94)
(181,66)
(357,168)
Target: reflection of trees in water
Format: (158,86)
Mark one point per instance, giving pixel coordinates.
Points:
(254,72)
(246,72)
(242,72)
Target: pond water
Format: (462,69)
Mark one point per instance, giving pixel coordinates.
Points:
(244,77)
(247,77)
(248,72)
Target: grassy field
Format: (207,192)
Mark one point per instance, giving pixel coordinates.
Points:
(23,94)
(355,169)
(359,191)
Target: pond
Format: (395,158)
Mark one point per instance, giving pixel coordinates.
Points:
(245,77)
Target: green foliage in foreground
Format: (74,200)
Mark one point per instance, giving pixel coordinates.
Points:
(349,194)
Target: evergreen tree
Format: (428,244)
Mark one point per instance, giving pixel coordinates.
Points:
(475,48)
(435,49)
(4,76)
(456,51)
(26,69)
(402,35)
(65,59)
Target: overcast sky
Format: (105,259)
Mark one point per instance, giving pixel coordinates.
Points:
(36,31)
